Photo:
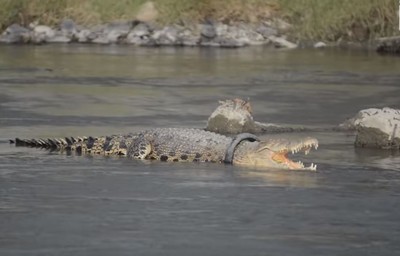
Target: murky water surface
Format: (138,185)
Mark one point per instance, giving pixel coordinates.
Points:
(53,204)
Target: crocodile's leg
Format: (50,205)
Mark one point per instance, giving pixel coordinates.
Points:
(140,148)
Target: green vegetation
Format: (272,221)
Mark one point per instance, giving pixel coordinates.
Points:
(328,20)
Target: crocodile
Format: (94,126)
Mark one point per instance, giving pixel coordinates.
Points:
(186,145)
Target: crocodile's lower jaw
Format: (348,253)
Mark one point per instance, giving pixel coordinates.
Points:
(282,159)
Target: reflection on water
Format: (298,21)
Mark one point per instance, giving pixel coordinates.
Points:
(380,159)
(52,203)
(280,178)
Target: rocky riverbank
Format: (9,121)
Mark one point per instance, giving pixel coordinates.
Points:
(390,45)
(149,34)
(141,33)
(217,23)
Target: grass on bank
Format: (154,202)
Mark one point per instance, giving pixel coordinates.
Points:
(332,20)
(328,20)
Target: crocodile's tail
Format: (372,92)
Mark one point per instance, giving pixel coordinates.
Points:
(109,145)
(67,143)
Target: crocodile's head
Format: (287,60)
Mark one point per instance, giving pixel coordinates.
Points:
(273,153)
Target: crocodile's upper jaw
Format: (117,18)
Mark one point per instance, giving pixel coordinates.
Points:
(274,154)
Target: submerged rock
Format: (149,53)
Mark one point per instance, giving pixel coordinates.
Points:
(376,128)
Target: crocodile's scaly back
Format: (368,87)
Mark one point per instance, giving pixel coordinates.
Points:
(165,144)
(174,144)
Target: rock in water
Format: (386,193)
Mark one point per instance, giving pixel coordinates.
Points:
(377,128)
(231,117)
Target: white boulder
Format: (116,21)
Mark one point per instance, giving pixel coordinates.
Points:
(377,128)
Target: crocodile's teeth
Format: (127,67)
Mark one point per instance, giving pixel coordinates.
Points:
(312,167)
(301,163)
(307,151)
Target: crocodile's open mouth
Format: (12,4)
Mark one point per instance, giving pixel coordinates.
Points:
(281,156)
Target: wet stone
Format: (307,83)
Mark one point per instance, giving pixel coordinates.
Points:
(208,31)
(267,31)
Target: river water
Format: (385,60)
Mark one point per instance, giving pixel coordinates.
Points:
(54,204)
